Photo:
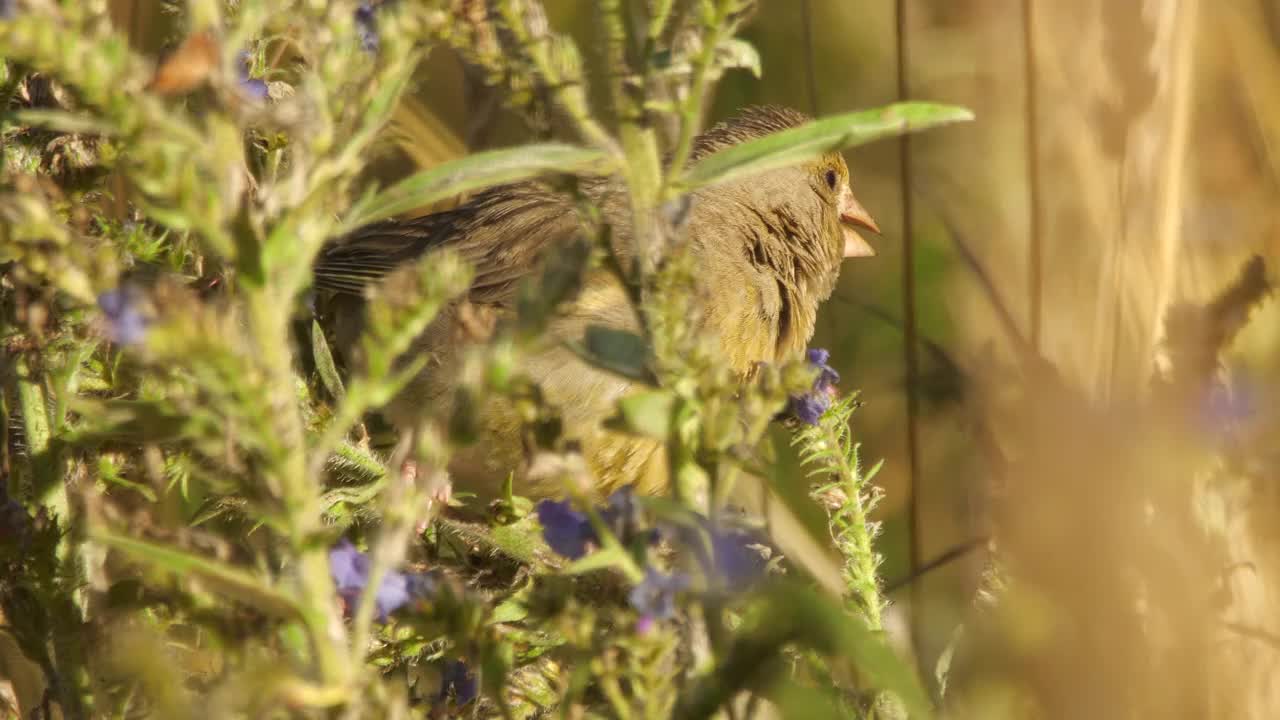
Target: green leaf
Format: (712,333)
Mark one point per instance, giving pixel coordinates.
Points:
(795,615)
(475,172)
(520,541)
(511,610)
(797,145)
(599,560)
(618,351)
(826,627)
(738,53)
(870,475)
(63,122)
(232,582)
(797,524)
(647,413)
(110,475)
(324,362)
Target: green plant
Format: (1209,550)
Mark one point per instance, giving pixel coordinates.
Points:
(186,459)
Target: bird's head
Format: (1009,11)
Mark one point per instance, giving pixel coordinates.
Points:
(837,193)
(805,217)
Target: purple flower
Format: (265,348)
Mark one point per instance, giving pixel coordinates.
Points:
(367,27)
(737,562)
(350,571)
(253,88)
(457,682)
(125,323)
(732,558)
(811,406)
(8,9)
(567,531)
(622,515)
(570,533)
(655,597)
(645,624)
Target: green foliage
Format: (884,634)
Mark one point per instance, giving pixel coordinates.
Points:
(794,146)
(189,447)
(474,172)
(846,491)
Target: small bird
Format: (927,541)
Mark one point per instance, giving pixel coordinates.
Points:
(767,249)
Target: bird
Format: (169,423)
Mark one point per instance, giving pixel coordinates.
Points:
(767,251)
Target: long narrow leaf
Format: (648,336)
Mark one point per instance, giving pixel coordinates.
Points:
(66,122)
(325,366)
(475,172)
(794,615)
(232,582)
(789,147)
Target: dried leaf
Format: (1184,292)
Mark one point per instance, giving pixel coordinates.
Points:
(187,67)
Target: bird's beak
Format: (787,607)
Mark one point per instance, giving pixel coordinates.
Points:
(852,216)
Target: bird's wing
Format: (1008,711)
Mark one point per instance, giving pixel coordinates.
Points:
(501,232)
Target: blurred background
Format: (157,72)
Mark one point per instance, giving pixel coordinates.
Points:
(1104,479)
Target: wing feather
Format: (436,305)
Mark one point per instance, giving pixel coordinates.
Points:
(503,232)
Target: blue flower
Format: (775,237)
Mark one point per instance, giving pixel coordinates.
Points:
(571,534)
(732,559)
(736,561)
(125,324)
(567,531)
(457,682)
(350,571)
(623,516)
(367,27)
(655,597)
(254,88)
(811,406)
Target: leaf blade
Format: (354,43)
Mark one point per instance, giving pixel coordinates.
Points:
(474,172)
(618,351)
(224,579)
(325,366)
(649,413)
(796,145)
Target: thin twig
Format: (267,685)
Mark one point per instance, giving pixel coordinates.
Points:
(806,31)
(1035,251)
(910,358)
(950,555)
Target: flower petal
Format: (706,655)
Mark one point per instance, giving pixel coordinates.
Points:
(565,530)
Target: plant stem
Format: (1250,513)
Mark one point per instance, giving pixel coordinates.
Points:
(398,507)
(286,474)
(691,107)
(639,140)
(856,532)
(562,88)
(658,21)
(35,425)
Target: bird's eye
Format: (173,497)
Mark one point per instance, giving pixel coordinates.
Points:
(831,179)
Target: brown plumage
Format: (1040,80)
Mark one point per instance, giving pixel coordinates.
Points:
(768,250)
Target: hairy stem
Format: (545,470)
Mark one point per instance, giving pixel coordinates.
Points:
(287,474)
(691,106)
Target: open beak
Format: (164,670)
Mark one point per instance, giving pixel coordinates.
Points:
(853,216)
